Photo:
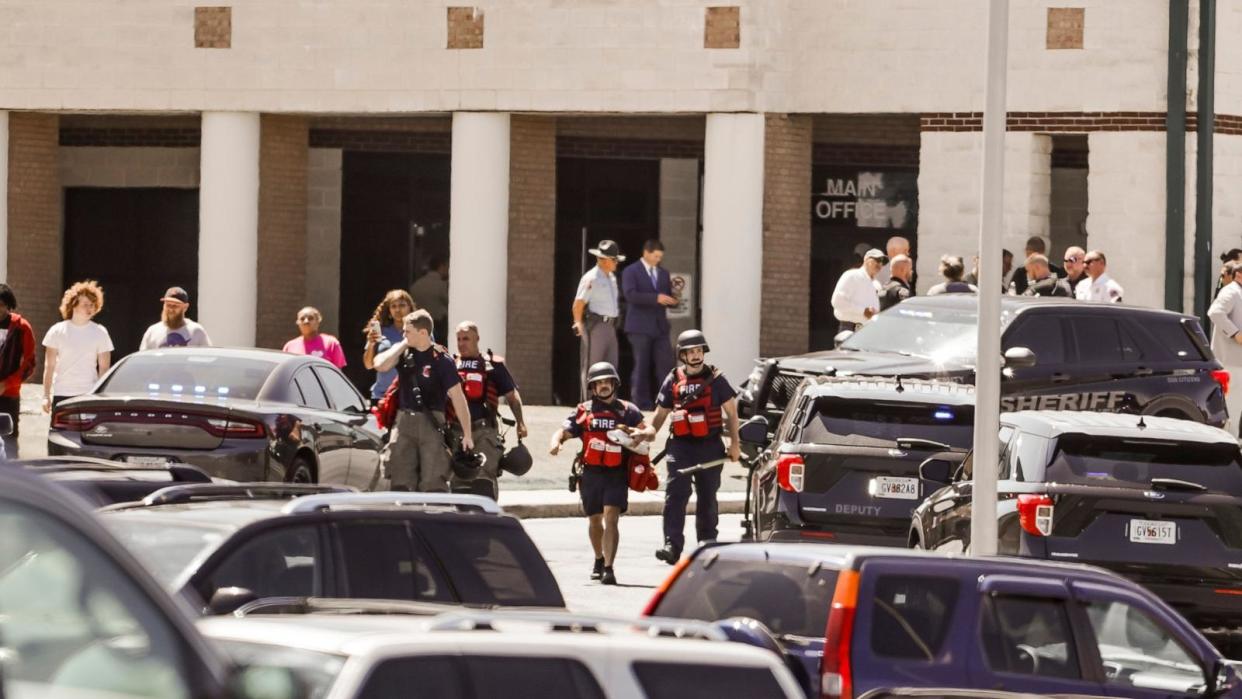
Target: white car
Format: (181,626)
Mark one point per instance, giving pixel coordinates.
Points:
(506,654)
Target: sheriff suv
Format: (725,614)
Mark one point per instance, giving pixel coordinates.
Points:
(844,464)
(1155,499)
(1060,354)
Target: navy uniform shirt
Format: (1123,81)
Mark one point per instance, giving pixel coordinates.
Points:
(499,377)
(433,371)
(721,391)
(629,413)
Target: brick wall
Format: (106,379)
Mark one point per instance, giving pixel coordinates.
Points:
(35,245)
(282,227)
(1050,122)
(785,324)
(532,249)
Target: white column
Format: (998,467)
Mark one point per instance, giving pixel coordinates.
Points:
(479,227)
(228,228)
(4,195)
(732,250)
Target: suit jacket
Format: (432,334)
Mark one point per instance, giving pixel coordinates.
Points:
(643,313)
(1226,315)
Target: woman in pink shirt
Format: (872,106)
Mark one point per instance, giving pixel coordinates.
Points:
(312,341)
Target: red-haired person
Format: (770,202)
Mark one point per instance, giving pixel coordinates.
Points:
(77,350)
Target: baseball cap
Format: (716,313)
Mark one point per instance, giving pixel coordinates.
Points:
(176,293)
(876,254)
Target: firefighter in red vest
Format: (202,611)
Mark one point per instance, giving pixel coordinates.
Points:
(605,479)
(700,402)
(484,380)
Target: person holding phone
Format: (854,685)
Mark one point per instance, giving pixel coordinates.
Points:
(384,331)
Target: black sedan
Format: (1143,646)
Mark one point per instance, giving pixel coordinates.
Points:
(241,414)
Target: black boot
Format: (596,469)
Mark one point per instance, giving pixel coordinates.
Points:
(608,577)
(669,554)
(598,570)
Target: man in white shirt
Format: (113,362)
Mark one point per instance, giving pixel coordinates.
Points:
(857,296)
(1226,316)
(1098,286)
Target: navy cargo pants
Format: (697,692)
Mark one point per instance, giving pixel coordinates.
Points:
(684,452)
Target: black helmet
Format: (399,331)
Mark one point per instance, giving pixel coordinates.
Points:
(468,464)
(517,460)
(690,339)
(600,371)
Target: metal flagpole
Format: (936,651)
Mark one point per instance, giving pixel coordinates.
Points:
(988,364)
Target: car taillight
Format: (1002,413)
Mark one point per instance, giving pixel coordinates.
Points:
(1222,378)
(226,427)
(837,680)
(664,586)
(1035,514)
(790,473)
(74,422)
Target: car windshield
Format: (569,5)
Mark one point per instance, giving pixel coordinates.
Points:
(178,374)
(167,550)
(316,671)
(1135,463)
(940,334)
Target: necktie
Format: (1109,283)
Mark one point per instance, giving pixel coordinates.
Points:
(654,285)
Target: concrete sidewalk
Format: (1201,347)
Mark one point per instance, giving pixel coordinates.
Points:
(543,504)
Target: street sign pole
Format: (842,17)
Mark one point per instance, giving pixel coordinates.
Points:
(992,220)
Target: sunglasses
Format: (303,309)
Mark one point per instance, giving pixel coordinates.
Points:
(306,319)
(1069,260)
(1093,260)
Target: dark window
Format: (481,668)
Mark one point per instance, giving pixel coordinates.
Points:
(1040,334)
(1139,652)
(490,562)
(681,680)
(1133,463)
(382,562)
(1131,349)
(911,615)
(184,373)
(1175,335)
(1029,636)
(312,393)
(531,678)
(434,676)
(283,562)
(872,423)
(790,598)
(1097,339)
(344,397)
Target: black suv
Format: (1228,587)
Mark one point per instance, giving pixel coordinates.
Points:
(1087,356)
(1157,500)
(224,546)
(844,465)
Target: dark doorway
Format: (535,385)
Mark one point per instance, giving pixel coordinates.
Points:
(853,209)
(394,220)
(136,242)
(596,199)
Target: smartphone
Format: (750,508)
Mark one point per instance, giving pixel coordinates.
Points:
(375,327)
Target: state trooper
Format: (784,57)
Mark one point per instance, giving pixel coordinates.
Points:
(699,401)
(603,423)
(484,380)
(416,457)
(597,305)
(1040,281)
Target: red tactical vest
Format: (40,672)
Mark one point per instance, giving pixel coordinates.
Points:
(476,383)
(694,414)
(597,448)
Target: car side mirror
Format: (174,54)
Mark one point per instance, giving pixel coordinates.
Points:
(755,431)
(840,338)
(227,600)
(1019,358)
(6,424)
(267,682)
(937,470)
(1225,677)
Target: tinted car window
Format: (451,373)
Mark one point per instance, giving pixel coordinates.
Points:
(787,597)
(434,676)
(1133,463)
(178,373)
(490,562)
(343,395)
(276,562)
(1029,636)
(1039,333)
(682,680)
(882,423)
(531,678)
(382,562)
(1140,653)
(1174,336)
(911,615)
(1097,340)
(312,393)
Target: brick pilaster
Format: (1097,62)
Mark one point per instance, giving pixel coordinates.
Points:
(283,154)
(532,252)
(785,323)
(36,248)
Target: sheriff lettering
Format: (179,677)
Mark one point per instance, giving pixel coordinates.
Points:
(1091,400)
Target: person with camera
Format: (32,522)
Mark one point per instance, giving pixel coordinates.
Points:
(603,423)
(416,457)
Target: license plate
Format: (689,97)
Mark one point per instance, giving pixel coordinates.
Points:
(1146,531)
(895,488)
(147,460)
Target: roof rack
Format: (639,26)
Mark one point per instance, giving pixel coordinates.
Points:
(485,620)
(175,494)
(317,503)
(329,605)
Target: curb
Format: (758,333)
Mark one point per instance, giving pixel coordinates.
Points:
(730,503)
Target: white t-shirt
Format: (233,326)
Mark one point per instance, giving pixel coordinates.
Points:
(189,335)
(77,355)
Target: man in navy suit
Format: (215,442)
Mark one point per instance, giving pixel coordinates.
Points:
(648,292)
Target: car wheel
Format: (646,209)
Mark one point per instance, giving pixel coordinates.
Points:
(300,471)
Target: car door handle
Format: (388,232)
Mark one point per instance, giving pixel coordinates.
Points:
(1058,377)
(1142,371)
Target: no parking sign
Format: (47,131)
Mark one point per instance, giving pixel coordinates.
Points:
(683,290)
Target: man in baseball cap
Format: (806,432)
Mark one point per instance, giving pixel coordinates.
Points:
(596,307)
(174,328)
